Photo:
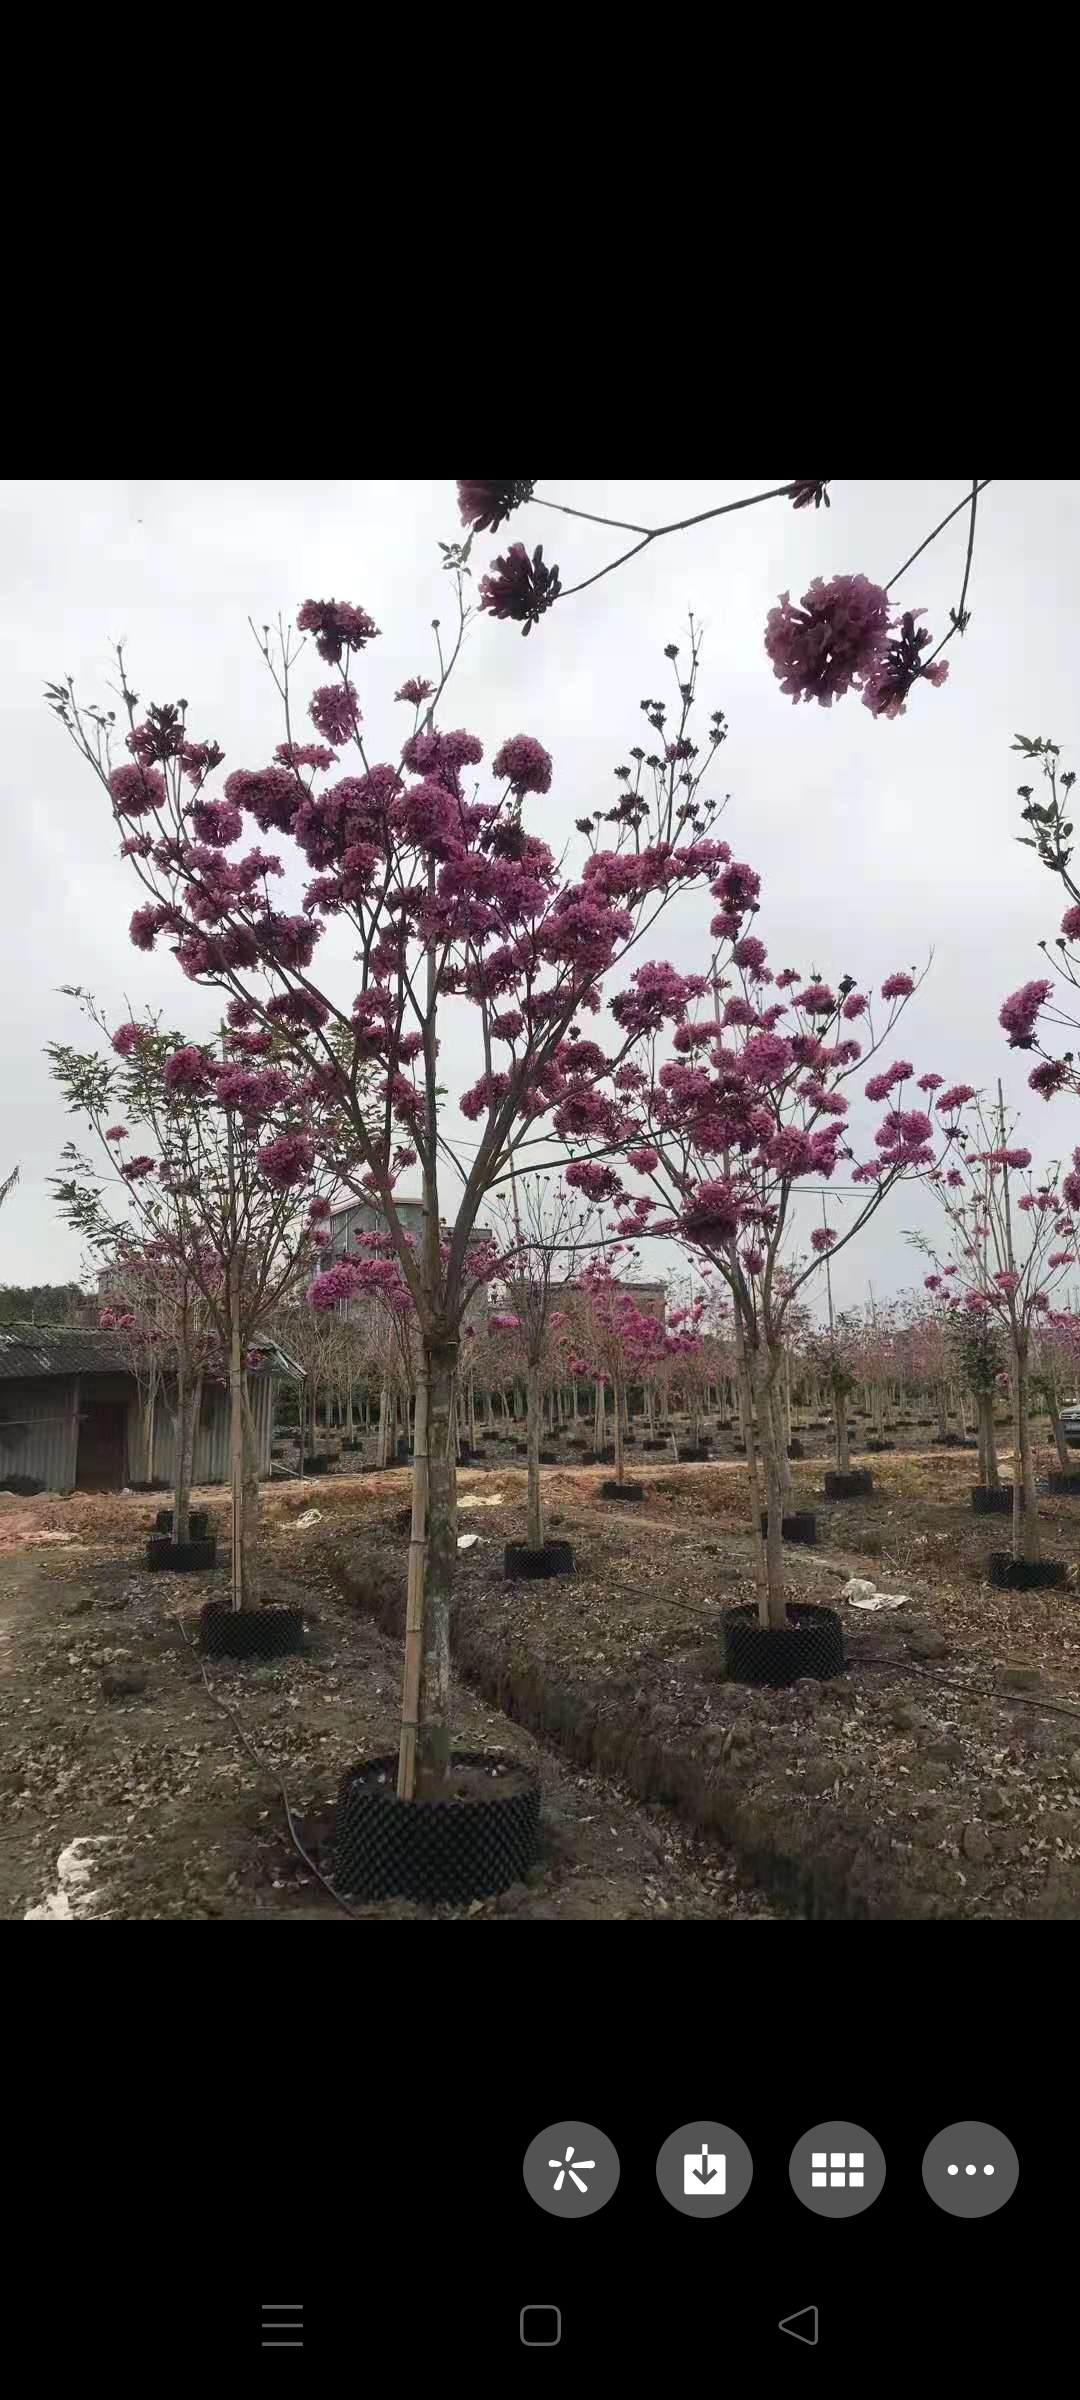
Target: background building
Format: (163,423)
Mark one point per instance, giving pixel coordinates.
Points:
(72,1416)
(365,1216)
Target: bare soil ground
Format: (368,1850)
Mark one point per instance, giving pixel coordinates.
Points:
(940,1776)
(182,1821)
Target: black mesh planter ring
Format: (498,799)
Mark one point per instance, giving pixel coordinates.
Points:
(554,1558)
(249,1632)
(852,1483)
(811,1643)
(181,1558)
(434,1849)
(1025,1574)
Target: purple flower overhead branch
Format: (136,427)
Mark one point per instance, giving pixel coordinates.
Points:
(519,587)
(484,507)
(338,627)
(846,634)
(888,684)
(1019,1014)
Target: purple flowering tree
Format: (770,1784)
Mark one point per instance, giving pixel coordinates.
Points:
(747,1111)
(448,900)
(845,633)
(1013,1242)
(541,1229)
(224,1192)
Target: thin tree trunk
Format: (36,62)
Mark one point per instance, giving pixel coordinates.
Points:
(617,1415)
(433,1750)
(988,1466)
(1025,1522)
(414,1596)
(843,1451)
(249,1514)
(772,1598)
(236,1441)
(535,1532)
(182,1463)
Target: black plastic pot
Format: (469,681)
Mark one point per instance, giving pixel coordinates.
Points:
(811,1643)
(521,1449)
(249,1632)
(318,1464)
(654,1445)
(555,1558)
(739,1444)
(547,1458)
(1024,1574)
(157,1483)
(353,1442)
(800,1526)
(575,1441)
(993,1499)
(875,1442)
(621,1491)
(198,1523)
(947,1441)
(692,1455)
(1062,1485)
(795,1448)
(181,1558)
(23,1487)
(588,1458)
(452,1849)
(851,1486)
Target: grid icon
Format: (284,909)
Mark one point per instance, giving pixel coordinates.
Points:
(842,2169)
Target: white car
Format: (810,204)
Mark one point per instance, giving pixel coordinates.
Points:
(1070,1420)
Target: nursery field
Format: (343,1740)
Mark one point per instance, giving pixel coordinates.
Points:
(937,1776)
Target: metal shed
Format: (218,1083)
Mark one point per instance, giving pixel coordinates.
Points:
(71,1414)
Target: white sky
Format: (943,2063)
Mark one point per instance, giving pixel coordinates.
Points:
(875,841)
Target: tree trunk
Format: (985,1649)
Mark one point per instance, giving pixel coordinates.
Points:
(433,1747)
(236,1448)
(414,1596)
(249,1515)
(187,1407)
(781,1437)
(601,1416)
(617,1414)
(148,1423)
(384,1425)
(772,1598)
(1025,1522)
(535,1532)
(843,1452)
(988,1466)
(943,1410)
(1057,1429)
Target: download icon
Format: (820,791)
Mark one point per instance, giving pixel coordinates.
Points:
(704,2173)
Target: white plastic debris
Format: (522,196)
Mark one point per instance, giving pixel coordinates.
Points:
(862,1594)
(311,1516)
(40,1539)
(467,1541)
(481,1500)
(72,1897)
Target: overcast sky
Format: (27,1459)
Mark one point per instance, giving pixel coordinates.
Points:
(876,841)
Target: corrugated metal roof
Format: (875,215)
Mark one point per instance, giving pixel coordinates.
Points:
(31,1350)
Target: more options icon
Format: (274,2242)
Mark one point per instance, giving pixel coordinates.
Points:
(971,2169)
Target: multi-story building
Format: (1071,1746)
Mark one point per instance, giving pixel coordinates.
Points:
(365,1216)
